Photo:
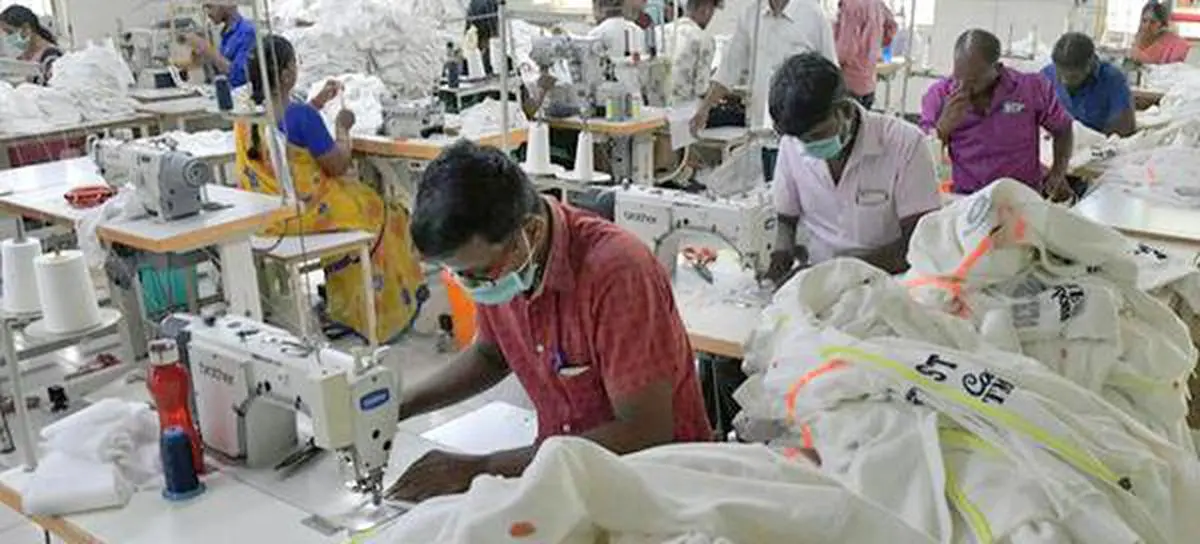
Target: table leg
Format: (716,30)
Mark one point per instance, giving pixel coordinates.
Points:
(239,278)
(300,302)
(127,300)
(24,436)
(364,257)
(643,159)
(181,124)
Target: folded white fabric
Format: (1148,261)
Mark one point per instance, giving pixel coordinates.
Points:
(577,492)
(95,458)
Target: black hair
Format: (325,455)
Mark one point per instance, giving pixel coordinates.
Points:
(484,16)
(610,8)
(1074,50)
(278,54)
(19,16)
(982,41)
(1158,10)
(469,191)
(804,91)
(693,5)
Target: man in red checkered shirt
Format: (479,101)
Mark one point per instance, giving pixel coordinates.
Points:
(576,307)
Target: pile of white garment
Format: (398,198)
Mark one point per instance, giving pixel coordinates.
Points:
(406,49)
(30,108)
(1019,386)
(200,144)
(362,94)
(95,458)
(483,119)
(98,79)
(575,492)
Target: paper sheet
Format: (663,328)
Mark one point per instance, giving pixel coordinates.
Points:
(679,120)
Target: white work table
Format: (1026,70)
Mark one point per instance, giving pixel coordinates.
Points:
(1113,205)
(140,121)
(242,505)
(175,113)
(719,317)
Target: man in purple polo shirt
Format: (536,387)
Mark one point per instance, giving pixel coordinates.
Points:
(989,115)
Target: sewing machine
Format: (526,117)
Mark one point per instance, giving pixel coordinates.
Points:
(412,118)
(659,217)
(589,67)
(153,51)
(169,183)
(251,379)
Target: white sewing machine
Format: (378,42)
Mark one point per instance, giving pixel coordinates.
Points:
(412,118)
(169,183)
(152,51)
(251,379)
(661,217)
(587,62)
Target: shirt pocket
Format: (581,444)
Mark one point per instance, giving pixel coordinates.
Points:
(582,387)
(872,216)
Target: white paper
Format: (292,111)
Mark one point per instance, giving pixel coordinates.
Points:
(679,122)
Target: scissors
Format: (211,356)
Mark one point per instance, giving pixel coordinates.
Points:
(700,258)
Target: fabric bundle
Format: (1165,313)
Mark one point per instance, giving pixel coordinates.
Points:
(577,492)
(95,458)
(362,94)
(98,79)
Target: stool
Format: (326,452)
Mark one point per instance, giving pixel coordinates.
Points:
(297,255)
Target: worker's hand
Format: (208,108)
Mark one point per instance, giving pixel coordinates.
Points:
(200,44)
(783,262)
(328,92)
(345,119)
(953,113)
(1058,189)
(435,474)
(700,119)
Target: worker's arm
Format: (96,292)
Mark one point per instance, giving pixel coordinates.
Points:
(339,157)
(893,258)
(788,210)
(1124,124)
(734,66)
(469,373)
(1064,144)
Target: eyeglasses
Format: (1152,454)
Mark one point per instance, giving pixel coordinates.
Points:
(489,274)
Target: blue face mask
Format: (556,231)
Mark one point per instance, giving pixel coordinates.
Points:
(16,43)
(507,287)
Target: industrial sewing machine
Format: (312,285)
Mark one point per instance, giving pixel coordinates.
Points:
(587,62)
(251,379)
(412,118)
(153,51)
(169,183)
(661,217)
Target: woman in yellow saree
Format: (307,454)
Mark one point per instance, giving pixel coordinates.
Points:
(320,166)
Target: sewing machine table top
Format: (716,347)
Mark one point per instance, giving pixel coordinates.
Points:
(718,317)
(650,121)
(195,105)
(290,248)
(78,129)
(1112,205)
(157,95)
(37,192)
(242,505)
(427,149)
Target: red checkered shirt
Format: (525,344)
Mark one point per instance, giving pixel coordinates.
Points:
(606,311)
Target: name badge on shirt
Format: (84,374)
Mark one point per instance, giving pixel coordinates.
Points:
(870,197)
(1012,106)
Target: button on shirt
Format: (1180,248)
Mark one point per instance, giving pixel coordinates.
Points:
(800,28)
(889,176)
(859,31)
(237,41)
(1001,142)
(1097,103)
(691,51)
(602,326)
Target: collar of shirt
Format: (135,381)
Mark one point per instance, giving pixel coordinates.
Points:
(558,274)
(233,27)
(782,13)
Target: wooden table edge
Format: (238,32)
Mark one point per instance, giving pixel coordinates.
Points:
(199,238)
(57,526)
(715,346)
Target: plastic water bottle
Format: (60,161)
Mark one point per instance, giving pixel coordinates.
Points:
(171,387)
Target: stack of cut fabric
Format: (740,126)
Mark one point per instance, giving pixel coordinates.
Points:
(94,459)
(98,79)
(1017,387)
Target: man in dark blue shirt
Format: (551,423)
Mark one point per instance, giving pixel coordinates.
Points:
(237,42)
(1096,93)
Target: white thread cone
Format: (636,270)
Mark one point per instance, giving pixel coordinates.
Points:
(475,64)
(20,287)
(584,171)
(537,152)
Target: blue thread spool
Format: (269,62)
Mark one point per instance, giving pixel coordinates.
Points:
(224,93)
(179,471)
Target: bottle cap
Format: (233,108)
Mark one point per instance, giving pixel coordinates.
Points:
(163,352)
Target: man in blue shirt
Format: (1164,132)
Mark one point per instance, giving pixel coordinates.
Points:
(1096,93)
(237,42)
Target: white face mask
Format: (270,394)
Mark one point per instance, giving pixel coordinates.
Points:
(15,43)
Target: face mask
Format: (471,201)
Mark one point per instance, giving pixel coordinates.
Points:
(828,148)
(506,288)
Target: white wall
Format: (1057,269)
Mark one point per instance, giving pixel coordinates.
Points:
(97,19)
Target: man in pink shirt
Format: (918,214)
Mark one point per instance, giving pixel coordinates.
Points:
(860,30)
(1155,43)
(858,180)
(990,117)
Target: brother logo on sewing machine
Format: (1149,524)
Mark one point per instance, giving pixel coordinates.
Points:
(216,374)
(640,217)
(374,399)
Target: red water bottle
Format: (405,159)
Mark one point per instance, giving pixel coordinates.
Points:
(171,388)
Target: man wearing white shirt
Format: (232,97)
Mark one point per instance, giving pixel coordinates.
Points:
(785,28)
(691,51)
(858,180)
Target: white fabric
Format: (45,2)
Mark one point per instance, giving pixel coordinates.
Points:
(801,28)
(86,85)
(362,94)
(205,143)
(577,492)
(930,455)
(95,458)
(889,177)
